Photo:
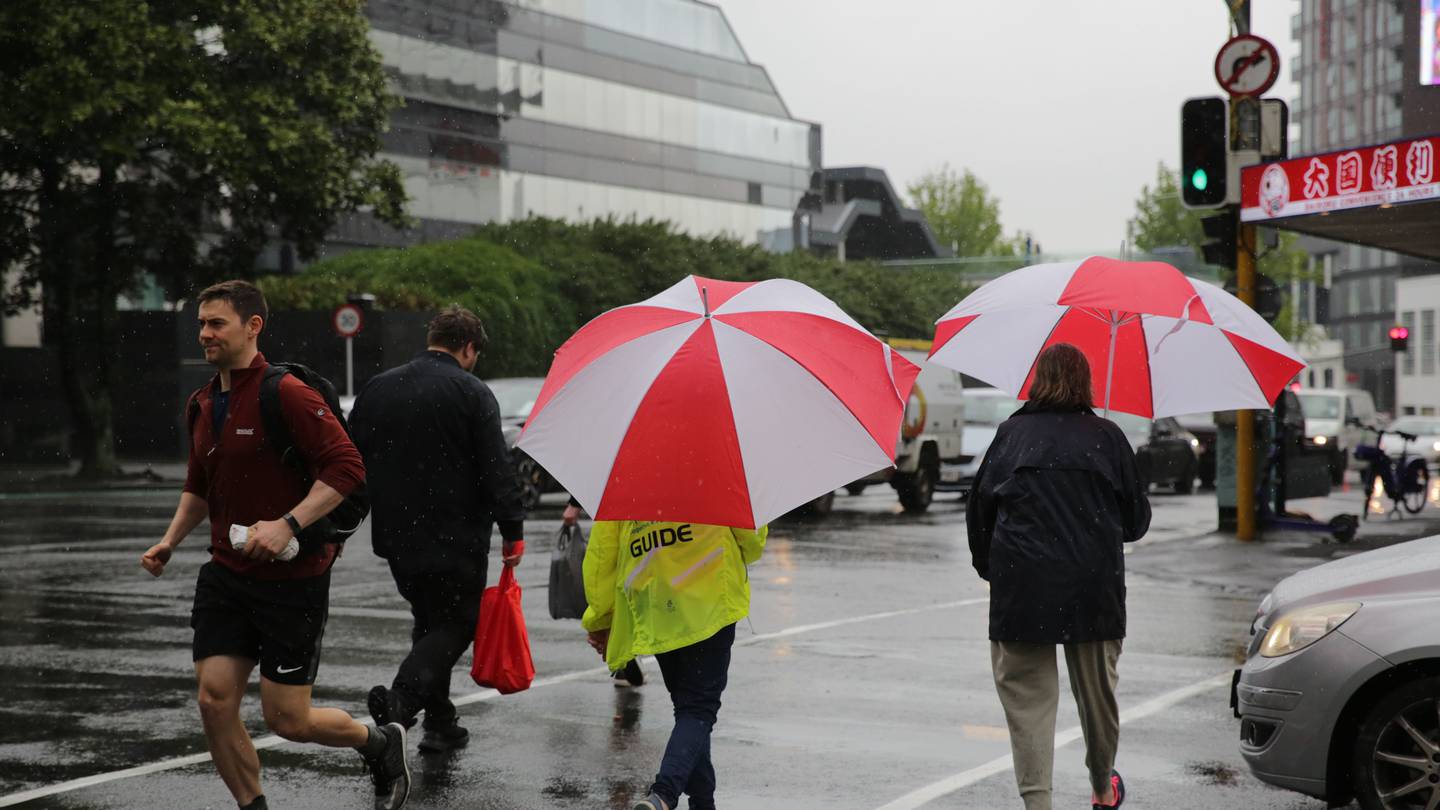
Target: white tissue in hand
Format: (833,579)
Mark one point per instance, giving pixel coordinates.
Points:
(240,534)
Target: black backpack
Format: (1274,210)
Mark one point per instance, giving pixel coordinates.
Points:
(345,519)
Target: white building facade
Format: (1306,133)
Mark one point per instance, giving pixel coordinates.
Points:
(583,109)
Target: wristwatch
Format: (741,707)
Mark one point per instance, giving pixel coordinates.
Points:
(293,523)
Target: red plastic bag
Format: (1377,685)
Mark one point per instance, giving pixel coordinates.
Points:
(502,647)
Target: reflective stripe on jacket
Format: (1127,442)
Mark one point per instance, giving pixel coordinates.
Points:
(662,586)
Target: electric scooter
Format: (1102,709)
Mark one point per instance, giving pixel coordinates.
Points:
(1341,527)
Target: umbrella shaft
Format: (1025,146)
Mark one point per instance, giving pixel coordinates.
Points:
(1110,360)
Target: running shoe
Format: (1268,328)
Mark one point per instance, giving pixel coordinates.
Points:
(1118,785)
(630,674)
(389,769)
(651,802)
(384,706)
(438,740)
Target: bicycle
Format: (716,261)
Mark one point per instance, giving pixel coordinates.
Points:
(1406,480)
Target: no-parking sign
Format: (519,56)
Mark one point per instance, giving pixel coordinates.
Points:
(347,320)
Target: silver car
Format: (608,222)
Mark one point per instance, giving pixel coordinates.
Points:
(516,396)
(1339,697)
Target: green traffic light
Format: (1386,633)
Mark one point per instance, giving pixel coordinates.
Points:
(1199,179)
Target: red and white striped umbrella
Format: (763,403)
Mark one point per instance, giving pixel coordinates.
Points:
(718,402)
(1159,342)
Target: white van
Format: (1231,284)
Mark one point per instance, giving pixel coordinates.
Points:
(1330,414)
(985,409)
(928,454)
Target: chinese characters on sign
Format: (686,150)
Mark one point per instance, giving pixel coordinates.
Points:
(1371,176)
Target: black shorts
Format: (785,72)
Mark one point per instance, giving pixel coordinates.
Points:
(278,623)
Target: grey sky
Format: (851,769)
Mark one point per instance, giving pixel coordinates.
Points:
(1062,107)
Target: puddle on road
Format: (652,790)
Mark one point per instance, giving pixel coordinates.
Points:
(1214,773)
(562,788)
(1380,504)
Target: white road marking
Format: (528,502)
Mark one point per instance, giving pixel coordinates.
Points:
(271,740)
(810,628)
(944,787)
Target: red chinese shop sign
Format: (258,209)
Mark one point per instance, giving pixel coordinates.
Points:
(1387,174)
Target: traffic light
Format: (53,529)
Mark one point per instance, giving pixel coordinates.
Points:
(1269,300)
(1399,339)
(1204,136)
(1220,230)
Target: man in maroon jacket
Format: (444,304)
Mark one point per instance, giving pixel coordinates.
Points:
(251,606)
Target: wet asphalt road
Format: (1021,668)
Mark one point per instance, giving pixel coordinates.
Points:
(861,681)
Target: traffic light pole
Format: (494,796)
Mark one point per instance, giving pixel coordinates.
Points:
(1246,506)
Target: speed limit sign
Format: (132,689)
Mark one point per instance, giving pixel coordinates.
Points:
(347,320)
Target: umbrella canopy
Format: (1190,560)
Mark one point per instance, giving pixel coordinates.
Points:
(1159,342)
(718,402)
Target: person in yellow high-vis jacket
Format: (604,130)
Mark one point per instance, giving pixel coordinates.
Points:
(674,591)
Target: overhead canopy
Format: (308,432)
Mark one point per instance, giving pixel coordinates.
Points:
(864,215)
(1385,196)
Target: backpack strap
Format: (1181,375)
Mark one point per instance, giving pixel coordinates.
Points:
(192,412)
(272,416)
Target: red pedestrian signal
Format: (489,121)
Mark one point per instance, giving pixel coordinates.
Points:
(1399,338)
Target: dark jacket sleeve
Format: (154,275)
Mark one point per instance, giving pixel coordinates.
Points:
(362,428)
(318,436)
(498,483)
(981,511)
(1134,501)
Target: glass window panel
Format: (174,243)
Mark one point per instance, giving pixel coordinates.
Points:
(1366,301)
(1407,359)
(582,101)
(1427,341)
(615,117)
(677,22)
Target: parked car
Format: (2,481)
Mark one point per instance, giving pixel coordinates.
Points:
(1339,697)
(1165,452)
(1426,429)
(516,396)
(1330,417)
(985,409)
(1202,427)
(928,451)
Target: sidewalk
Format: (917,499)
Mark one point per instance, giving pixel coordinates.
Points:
(137,474)
(1218,562)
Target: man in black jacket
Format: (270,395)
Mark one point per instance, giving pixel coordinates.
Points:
(439,476)
(1054,501)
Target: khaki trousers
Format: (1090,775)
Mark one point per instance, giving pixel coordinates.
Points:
(1029,689)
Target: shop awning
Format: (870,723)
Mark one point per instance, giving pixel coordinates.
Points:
(1385,196)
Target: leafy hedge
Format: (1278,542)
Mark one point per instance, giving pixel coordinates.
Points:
(535,281)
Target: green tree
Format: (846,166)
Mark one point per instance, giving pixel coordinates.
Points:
(1162,220)
(962,212)
(174,138)
(535,281)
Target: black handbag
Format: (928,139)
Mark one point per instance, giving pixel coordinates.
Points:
(567,574)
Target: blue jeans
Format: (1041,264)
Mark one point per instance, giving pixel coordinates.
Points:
(695,676)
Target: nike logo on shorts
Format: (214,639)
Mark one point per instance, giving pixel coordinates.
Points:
(284,671)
